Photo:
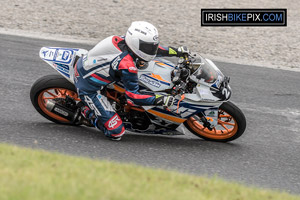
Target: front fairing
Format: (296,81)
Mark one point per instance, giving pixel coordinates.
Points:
(212,85)
(204,98)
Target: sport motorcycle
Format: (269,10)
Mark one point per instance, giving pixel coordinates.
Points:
(200,89)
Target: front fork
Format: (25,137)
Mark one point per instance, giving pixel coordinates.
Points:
(210,118)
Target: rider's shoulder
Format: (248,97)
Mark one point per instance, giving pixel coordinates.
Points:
(127,62)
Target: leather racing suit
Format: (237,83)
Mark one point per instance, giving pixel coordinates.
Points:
(111,61)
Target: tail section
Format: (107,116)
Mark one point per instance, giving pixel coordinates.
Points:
(62,59)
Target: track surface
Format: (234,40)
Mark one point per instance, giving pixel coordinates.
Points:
(267,155)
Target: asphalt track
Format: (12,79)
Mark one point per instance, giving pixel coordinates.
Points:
(267,155)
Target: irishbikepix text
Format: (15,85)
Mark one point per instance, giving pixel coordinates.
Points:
(243,17)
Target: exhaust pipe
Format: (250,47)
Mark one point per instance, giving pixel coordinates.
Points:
(61,111)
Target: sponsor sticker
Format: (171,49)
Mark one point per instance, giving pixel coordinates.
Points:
(132,69)
(60,55)
(149,81)
(64,113)
(115,63)
(44,52)
(65,55)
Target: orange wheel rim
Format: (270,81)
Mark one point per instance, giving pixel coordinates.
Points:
(226,128)
(54,93)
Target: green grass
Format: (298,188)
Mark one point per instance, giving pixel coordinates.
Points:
(37,175)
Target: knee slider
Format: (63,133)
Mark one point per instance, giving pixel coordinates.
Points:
(115,126)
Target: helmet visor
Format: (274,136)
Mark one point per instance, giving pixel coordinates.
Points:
(149,48)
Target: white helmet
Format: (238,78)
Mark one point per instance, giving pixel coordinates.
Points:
(142,39)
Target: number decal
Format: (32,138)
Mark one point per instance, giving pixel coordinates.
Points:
(226,92)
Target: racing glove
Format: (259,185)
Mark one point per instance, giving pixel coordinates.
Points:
(164,100)
(183,50)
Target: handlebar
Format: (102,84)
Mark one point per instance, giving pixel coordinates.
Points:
(181,75)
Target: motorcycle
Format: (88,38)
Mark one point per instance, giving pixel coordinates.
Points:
(200,89)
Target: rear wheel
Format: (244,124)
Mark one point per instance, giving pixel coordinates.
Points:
(52,87)
(231,124)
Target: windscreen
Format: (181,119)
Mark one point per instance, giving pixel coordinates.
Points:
(206,72)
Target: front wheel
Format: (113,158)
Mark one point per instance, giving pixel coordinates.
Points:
(231,124)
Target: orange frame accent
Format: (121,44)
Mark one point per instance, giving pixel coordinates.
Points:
(128,107)
(168,117)
(119,89)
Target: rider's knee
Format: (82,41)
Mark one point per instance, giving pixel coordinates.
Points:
(114,127)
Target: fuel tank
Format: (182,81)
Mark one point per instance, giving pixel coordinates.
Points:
(156,75)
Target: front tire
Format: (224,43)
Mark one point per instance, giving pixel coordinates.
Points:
(231,124)
(52,87)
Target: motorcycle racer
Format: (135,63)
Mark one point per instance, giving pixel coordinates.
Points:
(116,59)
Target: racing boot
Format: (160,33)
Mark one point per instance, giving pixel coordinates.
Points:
(100,126)
(88,116)
(115,138)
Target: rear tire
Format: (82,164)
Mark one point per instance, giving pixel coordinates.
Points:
(54,83)
(235,124)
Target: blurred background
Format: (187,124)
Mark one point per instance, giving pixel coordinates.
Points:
(178,23)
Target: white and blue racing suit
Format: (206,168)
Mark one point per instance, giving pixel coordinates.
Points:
(111,61)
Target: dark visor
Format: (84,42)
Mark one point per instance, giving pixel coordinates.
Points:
(149,48)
